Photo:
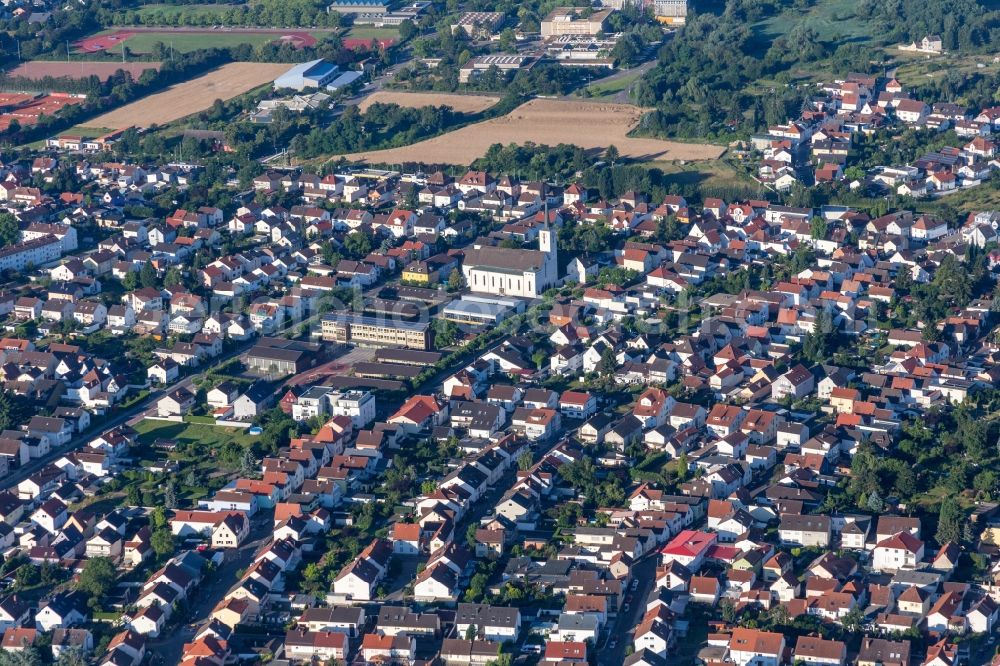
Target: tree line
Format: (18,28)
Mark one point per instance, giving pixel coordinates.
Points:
(265,13)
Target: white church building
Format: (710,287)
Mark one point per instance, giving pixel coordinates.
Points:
(512,272)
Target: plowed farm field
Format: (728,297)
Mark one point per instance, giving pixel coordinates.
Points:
(590,125)
(460,103)
(198,94)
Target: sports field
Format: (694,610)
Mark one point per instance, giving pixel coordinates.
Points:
(360,37)
(183,40)
(369,33)
(26,109)
(590,125)
(192,96)
(79,69)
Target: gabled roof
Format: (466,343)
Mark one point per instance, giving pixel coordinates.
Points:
(902,541)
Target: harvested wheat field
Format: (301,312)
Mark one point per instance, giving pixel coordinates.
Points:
(590,125)
(192,96)
(460,103)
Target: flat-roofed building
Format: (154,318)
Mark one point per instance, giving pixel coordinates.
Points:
(407,357)
(574,21)
(378,331)
(312,74)
(670,12)
(477,24)
(363,7)
(471,309)
(505,63)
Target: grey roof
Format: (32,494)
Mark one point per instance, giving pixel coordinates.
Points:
(805,523)
(504,259)
(375,321)
(401,616)
(259,391)
(577,621)
(483,615)
(337,614)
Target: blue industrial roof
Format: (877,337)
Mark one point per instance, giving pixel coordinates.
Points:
(320,69)
(314,69)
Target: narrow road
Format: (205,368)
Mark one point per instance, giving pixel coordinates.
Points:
(623,97)
(373,86)
(620,631)
(215,586)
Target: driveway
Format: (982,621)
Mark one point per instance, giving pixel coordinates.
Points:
(404,576)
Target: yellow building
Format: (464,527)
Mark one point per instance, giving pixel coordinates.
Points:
(574,21)
(419,272)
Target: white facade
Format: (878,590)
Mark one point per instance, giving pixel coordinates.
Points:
(514,280)
(35,252)
(358,405)
(892,559)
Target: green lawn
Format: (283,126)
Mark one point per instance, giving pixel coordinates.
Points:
(712,174)
(982,197)
(210,436)
(917,68)
(200,446)
(613,87)
(84,130)
(696,638)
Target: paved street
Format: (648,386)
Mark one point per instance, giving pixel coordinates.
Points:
(621,630)
(213,589)
(635,73)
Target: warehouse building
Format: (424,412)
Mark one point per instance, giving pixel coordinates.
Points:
(278,357)
(315,74)
(479,310)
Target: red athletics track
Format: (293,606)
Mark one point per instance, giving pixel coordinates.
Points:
(97,43)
